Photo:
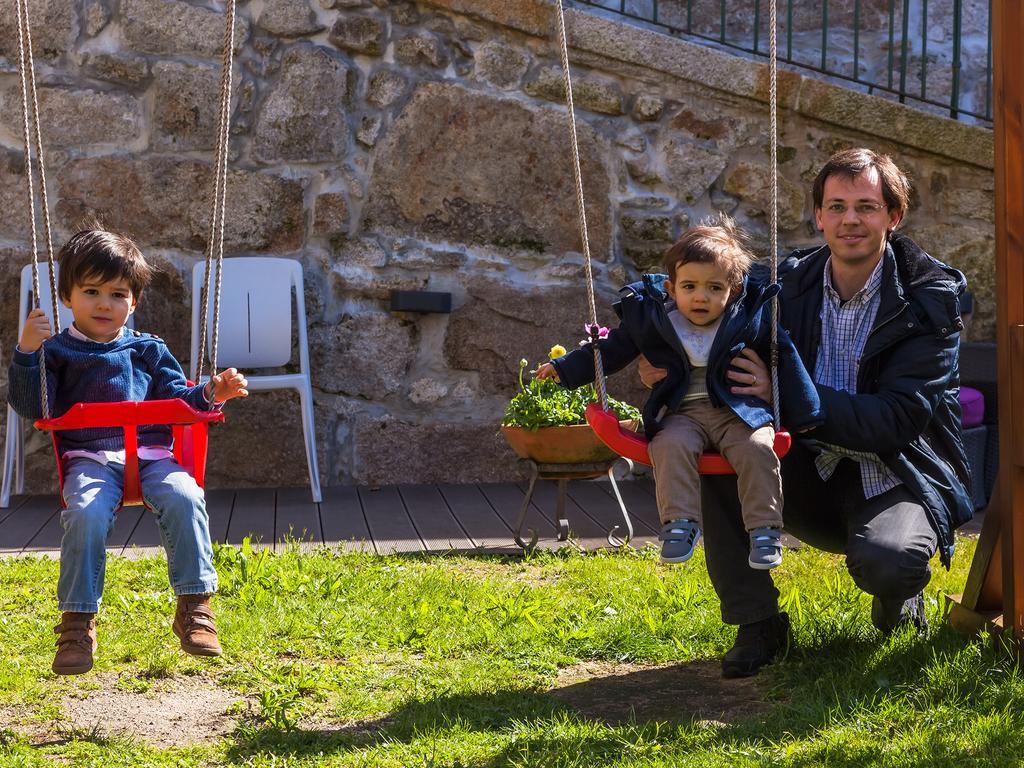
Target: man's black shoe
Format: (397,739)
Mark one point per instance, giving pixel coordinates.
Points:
(756,644)
(890,615)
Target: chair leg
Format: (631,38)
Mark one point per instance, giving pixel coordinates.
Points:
(10,458)
(309,433)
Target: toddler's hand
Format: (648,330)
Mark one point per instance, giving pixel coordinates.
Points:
(228,384)
(547,371)
(35,331)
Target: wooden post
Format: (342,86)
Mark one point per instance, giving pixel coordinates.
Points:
(996,582)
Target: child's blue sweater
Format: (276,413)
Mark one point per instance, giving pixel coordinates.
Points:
(134,367)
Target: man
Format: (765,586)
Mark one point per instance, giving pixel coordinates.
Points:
(884,479)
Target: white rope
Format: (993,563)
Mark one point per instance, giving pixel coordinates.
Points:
(30,98)
(215,243)
(773,108)
(581,207)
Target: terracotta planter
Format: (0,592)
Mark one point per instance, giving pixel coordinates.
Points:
(572,444)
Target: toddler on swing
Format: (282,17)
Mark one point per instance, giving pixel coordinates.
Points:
(98,359)
(707,323)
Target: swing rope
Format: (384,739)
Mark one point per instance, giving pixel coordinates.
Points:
(215,242)
(32,134)
(580,204)
(581,207)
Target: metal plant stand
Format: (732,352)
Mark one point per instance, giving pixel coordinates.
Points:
(562,474)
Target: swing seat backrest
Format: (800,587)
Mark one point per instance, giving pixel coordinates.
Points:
(188,426)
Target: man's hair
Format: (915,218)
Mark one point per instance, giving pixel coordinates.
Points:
(717,240)
(853,162)
(99,255)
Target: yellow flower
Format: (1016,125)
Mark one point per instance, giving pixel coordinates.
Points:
(556,351)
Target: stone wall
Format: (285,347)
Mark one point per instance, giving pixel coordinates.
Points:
(400,145)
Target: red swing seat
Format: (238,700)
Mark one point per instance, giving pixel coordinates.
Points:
(633,446)
(188,426)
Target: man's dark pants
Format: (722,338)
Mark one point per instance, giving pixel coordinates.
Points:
(887,539)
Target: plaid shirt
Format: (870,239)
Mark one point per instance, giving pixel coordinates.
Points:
(845,327)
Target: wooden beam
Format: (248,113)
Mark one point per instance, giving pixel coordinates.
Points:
(1008,62)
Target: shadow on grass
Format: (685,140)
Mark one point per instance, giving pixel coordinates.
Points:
(818,697)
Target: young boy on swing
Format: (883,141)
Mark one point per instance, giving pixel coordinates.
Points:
(98,359)
(700,322)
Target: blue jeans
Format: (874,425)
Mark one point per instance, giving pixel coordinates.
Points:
(93,494)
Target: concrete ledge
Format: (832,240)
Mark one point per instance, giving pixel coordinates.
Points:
(613,40)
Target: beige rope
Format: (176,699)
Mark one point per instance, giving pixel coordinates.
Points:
(773,109)
(30,98)
(581,207)
(215,243)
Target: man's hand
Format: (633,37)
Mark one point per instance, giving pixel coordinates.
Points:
(226,385)
(35,331)
(752,378)
(547,371)
(650,375)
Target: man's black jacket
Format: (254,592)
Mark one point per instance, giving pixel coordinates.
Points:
(906,408)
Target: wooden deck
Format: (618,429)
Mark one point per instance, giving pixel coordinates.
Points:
(392,519)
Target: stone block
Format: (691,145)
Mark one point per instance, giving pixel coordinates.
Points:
(97,16)
(499,323)
(466,167)
(330,215)
(367,355)
(174,27)
(535,17)
(385,88)
(642,171)
(691,168)
(591,95)
(165,307)
(360,252)
(649,228)
(419,49)
(117,68)
(14,224)
(413,256)
(648,107)
(54,26)
(404,13)
(348,282)
(303,117)
(389,450)
(289,18)
(752,184)
(186,107)
(360,34)
(77,118)
(500,65)
(165,201)
(369,130)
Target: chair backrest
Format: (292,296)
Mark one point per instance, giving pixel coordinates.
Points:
(25,303)
(255,313)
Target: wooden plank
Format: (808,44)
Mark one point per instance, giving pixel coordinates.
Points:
(125,522)
(478,518)
(583,529)
(297,518)
(507,498)
(219,504)
(144,540)
(640,501)
(253,515)
(433,519)
(20,527)
(342,519)
(390,526)
(598,498)
(16,503)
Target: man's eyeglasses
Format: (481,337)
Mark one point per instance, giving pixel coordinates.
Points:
(861,209)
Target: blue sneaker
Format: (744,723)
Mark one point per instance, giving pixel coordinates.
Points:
(765,548)
(678,538)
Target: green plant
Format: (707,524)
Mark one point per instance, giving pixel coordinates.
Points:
(544,403)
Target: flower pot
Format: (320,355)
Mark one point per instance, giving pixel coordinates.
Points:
(570,444)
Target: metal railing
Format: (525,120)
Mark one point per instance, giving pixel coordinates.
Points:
(934,55)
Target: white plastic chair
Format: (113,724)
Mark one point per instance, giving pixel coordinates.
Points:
(256,332)
(14,443)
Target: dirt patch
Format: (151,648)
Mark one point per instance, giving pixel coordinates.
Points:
(620,693)
(174,712)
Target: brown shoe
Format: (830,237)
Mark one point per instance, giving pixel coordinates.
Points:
(193,624)
(76,643)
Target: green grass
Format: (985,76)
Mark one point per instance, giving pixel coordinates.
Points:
(354,660)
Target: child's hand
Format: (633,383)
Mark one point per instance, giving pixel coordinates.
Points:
(547,371)
(227,384)
(35,331)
